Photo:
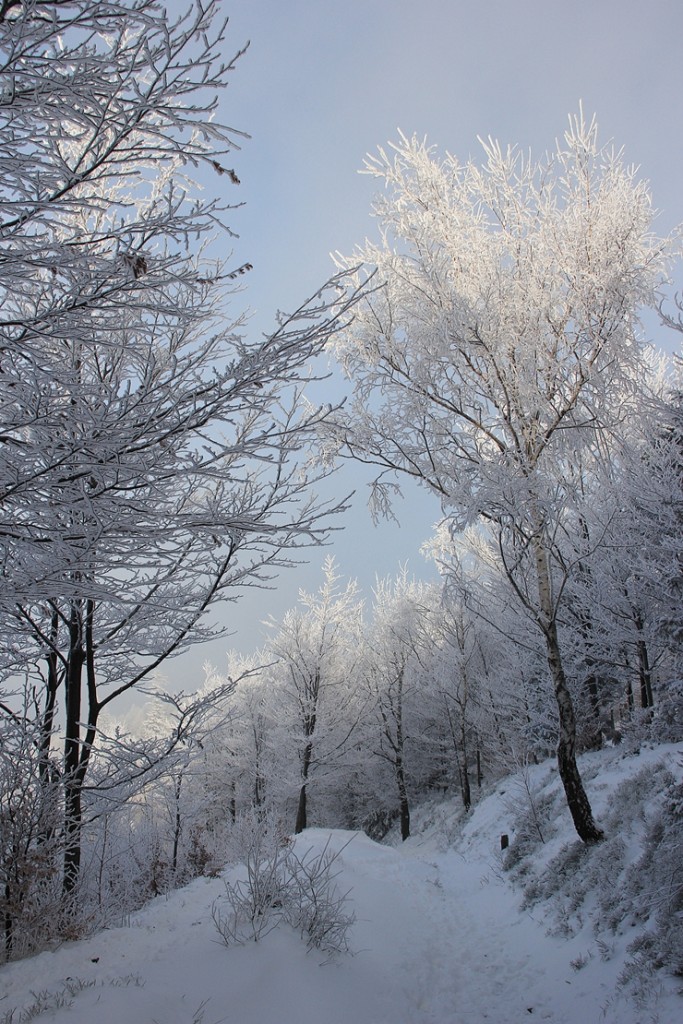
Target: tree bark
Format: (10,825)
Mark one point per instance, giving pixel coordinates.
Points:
(178,825)
(577,799)
(258,777)
(403,798)
(8,923)
(465,780)
(47,723)
(72,782)
(398,760)
(463,777)
(301,813)
(77,747)
(644,671)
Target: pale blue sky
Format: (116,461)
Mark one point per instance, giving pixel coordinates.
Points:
(324,83)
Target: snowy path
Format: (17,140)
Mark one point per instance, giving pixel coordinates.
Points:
(439,939)
(457,946)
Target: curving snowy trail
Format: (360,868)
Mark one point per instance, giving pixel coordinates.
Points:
(439,939)
(448,934)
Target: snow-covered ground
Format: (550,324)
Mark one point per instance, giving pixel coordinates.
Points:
(439,938)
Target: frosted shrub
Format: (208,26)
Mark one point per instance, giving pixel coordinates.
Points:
(662,723)
(281,886)
(533,810)
(252,900)
(572,876)
(655,887)
(616,890)
(667,718)
(316,907)
(379,823)
(30,889)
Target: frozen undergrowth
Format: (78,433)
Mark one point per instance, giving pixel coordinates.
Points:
(283,886)
(439,935)
(626,891)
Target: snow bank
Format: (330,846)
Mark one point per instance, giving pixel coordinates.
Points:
(441,935)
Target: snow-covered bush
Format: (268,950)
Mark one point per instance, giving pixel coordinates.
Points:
(629,885)
(255,901)
(667,715)
(654,886)
(283,886)
(29,843)
(316,907)
(378,824)
(534,809)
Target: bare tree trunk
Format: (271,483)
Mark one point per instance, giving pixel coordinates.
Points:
(403,798)
(177,829)
(463,777)
(301,813)
(397,747)
(47,772)
(594,741)
(77,748)
(577,799)
(72,784)
(587,632)
(258,775)
(398,762)
(644,670)
(466,790)
(8,923)
(52,685)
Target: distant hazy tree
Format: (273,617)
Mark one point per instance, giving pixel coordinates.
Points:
(397,648)
(315,648)
(490,663)
(458,675)
(241,751)
(638,576)
(499,343)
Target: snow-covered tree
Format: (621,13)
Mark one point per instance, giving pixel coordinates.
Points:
(150,457)
(458,675)
(490,664)
(500,340)
(29,836)
(641,565)
(315,649)
(241,752)
(397,650)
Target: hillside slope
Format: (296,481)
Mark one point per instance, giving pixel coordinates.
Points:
(444,933)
